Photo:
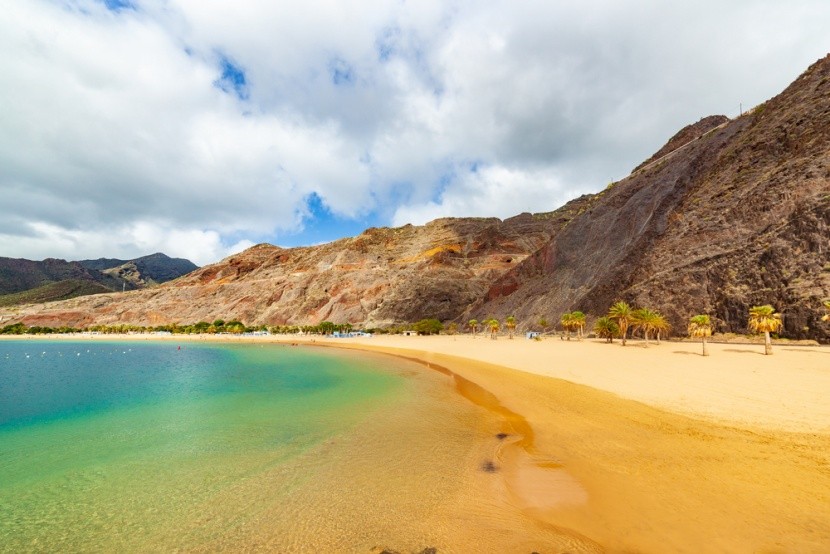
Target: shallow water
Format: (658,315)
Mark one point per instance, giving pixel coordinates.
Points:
(144,447)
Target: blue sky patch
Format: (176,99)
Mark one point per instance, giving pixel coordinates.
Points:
(341,72)
(118,5)
(233,79)
(320,225)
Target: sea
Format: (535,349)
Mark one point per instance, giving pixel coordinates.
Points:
(142,446)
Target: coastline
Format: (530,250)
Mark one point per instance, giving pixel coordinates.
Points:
(643,449)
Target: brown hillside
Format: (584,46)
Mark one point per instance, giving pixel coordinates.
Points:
(737,218)
(382,276)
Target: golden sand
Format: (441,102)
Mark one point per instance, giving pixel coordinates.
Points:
(664,450)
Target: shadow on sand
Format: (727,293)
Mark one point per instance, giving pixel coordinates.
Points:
(739,351)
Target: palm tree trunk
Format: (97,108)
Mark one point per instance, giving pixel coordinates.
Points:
(623,332)
(767,344)
(705,353)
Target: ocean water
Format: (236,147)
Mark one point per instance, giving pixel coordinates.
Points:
(141,446)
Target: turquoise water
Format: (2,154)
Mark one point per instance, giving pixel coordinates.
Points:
(142,446)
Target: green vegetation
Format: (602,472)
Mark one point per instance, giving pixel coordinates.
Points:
(763,319)
(494,325)
(622,314)
(428,327)
(510,323)
(700,326)
(606,328)
(648,321)
(473,325)
(573,321)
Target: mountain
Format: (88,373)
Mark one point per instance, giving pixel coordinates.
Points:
(739,216)
(26,281)
(380,277)
(727,215)
(145,271)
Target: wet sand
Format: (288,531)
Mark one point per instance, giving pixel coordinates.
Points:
(641,449)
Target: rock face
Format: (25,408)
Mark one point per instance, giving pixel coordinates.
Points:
(738,217)
(380,277)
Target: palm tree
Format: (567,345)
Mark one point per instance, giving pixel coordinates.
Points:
(622,314)
(567,322)
(543,323)
(763,319)
(646,320)
(473,325)
(578,322)
(700,326)
(661,326)
(510,323)
(606,328)
(494,325)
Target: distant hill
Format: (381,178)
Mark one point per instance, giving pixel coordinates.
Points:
(148,270)
(25,281)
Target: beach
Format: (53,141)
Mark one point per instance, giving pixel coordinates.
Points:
(635,448)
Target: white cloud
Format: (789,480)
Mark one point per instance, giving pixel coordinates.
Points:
(490,191)
(114,120)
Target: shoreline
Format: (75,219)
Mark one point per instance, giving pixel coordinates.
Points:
(609,446)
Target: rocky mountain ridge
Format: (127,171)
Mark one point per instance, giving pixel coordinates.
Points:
(383,276)
(53,279)
(739,217)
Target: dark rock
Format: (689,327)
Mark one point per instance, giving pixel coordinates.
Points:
(489,467)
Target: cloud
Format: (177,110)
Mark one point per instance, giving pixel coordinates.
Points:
(220,122)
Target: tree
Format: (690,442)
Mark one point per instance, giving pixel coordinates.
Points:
(700,326)
(494,326)
(763,319)
(622,314)
(567,322)
(543,323)
(326,327)
(578,322)
(647,320)
(606,328)
(661,326)
(428,327)
(452,328)
(826,317)
(473,325)
(510,323)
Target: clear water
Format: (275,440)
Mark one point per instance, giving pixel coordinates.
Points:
(137,446)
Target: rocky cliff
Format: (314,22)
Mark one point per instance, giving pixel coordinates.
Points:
(738,217)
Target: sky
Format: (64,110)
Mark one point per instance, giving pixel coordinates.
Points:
(198,128)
